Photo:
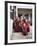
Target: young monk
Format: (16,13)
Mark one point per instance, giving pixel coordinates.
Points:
(25,27)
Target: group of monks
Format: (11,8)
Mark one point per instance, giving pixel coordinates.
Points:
(21,25)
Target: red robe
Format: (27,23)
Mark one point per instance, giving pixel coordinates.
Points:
(25,27)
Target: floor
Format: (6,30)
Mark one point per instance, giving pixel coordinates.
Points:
(19,35)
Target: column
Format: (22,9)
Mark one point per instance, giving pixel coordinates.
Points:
(29,17)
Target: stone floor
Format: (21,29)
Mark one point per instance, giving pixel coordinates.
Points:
(19,35)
